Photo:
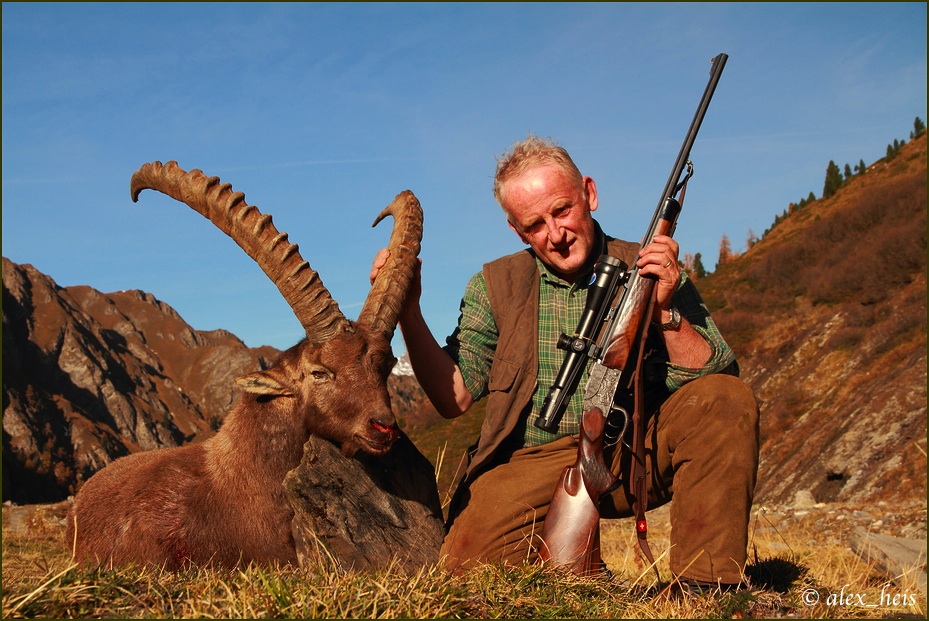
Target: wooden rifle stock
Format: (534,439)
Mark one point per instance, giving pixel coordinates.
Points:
(571,532)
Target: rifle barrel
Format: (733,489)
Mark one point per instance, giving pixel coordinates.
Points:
(629,323)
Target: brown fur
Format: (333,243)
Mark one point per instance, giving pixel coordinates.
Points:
(221,502)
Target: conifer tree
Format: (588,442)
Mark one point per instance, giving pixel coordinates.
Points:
(833,180)
(725,251)
(893,149)
(699,270)
(918,127)
(848,172)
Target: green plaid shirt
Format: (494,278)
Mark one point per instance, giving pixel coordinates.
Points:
(561,304)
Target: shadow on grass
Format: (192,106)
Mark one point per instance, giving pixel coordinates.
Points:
(775,574)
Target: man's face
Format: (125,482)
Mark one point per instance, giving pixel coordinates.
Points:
(551,212)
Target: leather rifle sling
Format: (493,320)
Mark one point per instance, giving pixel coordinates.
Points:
(638,487)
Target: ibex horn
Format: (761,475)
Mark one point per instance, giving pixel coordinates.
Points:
(253,231)
(382,307)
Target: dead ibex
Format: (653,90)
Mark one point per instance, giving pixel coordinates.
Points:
(221,502)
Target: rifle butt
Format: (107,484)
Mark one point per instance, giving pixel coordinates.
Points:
(571,532)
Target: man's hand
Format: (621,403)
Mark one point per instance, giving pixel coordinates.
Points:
(412,298)
(659,259)
(686,347)
(380,260)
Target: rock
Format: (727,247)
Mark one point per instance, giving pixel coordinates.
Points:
(902,560)
(803,499)
(365,512)
(39,520)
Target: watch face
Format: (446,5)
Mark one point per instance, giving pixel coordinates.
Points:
(674,322)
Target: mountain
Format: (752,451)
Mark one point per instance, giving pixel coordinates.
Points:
(827,315)
(89,377)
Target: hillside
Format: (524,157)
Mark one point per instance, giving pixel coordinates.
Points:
(827,314)
(89,377)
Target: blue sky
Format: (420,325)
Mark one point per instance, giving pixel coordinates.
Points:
(321,113)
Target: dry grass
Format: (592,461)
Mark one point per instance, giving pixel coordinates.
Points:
(793,562)
(801,564)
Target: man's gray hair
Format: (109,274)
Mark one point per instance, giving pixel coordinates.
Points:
(529,153)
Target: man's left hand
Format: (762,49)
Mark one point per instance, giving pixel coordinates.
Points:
(659,259)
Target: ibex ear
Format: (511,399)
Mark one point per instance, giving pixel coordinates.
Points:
(262,383)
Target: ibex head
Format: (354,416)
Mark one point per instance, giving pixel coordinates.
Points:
(333,382)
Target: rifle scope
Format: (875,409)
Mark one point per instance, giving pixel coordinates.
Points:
(609,273)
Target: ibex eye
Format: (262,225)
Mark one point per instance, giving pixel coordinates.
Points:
(320,375)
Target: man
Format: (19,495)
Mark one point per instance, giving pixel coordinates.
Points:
(702,435)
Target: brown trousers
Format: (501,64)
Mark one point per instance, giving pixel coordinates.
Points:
(702,450)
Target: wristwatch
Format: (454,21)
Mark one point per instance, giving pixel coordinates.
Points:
(674,323)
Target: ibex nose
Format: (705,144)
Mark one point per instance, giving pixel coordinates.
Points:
(383,427)
(390,431)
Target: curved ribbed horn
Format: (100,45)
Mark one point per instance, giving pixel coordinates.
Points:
(382,307)
(253,231)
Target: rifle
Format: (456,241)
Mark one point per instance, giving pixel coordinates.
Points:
(571,531)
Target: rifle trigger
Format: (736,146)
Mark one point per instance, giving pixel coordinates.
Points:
(611,436)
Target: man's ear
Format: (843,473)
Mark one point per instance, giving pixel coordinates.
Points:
(590,188)
(522,237)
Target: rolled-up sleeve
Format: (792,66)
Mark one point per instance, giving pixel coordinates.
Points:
(473,343)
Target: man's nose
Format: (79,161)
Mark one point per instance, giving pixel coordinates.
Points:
(556,232)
